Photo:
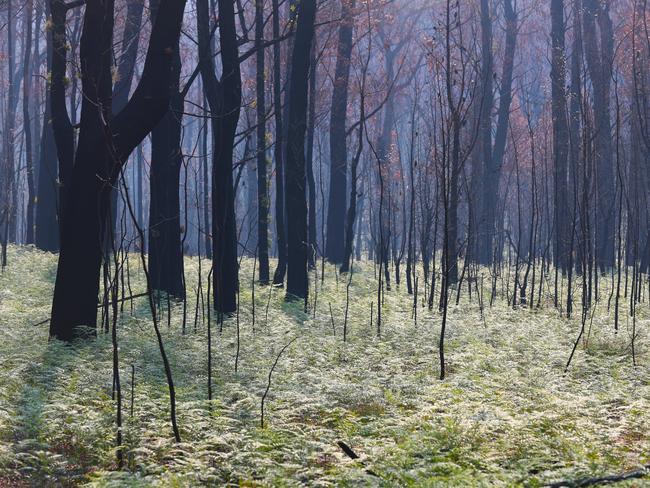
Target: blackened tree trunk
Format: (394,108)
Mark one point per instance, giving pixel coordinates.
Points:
(352,208)
(599,56)
(57,128)
(129,48)
(104,146)
(165,252)
(88,186)
(47,207)
(61,125)
(352,211)
(224,228)
(139,191)
(8,190)
(338,144)
(311,182)
(38,95)
(27,122)
(248,233)
(575,108)
(451,216)
(262,181)
(486,203)
(384,166)
(205,177)
(297,280)
(410,250)
(486,177)
(165,249)
(46,234)
(278,153)
(224,100)
(560,133)
(125,71)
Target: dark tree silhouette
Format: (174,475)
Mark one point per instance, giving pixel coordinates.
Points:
(57,136)
(599,53)
(262,182)
(224,100)
(336,207)
(486,197)
(297,280)
(104,144)
(278,153)
(560,132)
(165,251)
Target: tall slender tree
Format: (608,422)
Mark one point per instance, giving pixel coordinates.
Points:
(560,133)
(336,207)
(27,122)
(262,182)
(599,53)
(492,150)
(8,190)
(224,100)
(46,234)
(297,280)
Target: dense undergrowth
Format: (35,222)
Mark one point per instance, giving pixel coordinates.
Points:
(505,416)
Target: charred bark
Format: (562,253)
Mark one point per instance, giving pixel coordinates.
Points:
(104,146)
(297,279)
(336,207)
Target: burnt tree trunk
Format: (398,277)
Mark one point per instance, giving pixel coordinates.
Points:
(311,182)
(9,188)
(165,250)
(599,56)
(560,134)
(46,235)
(262,180)
(125,71)
(278,154)
(224,100)
(27,123)
(224,226)
(575,108)
(487,176)
(129,53)
(104,145)
(47,207)
(334,248)
(487,201)
(297,279)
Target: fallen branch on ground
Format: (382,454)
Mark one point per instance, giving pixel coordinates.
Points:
(603,480)
(353,455)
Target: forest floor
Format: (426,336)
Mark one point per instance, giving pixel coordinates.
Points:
(506,415)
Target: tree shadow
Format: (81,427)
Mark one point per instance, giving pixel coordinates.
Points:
(37,461)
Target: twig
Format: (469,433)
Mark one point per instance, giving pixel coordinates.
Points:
(332,319)
(268,385)
(353,455)
(100,305)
